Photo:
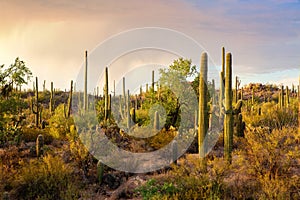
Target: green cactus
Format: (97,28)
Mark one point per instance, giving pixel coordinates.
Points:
(100,171)
(36,104)
(156,121)
(67,111)
(241,92)
(221,97)
(85,96)
(174,151)
(121,107)
(203,108)
(228,121)
(136,102)
(141,90)
(287,97)
(128,110)
(213,91)
(152,88)
(282,97)
(132,115)
(236,112)
(51,103)
(253,96)
(106,97)
(40,145)
(196,121)
(147,88)
(44,86)
(240,126)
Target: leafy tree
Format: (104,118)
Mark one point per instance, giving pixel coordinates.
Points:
(16,74)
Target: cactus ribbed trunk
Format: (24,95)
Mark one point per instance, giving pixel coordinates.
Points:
(213,91)
(287,97)
(152,81)
(70,99)
(228,122)
(106,97)
(100,171)
(252,101)
(236,90)
(203,109)
(221,97)
(39,145)
(156,121)
(128,110)
(51,103)
(85,100)
(282,97)
(37,111)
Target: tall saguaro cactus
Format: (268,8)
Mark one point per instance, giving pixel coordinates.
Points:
(106,97)
(37,110)
(152,81)
(51,103)
(85,97)
(203,109)
(69,105)
(228,122)
(156,121)
(128,110)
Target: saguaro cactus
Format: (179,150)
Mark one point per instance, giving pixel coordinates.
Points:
(37,110)
(228,122)
(85,97)
(51,103)
(282,97)
(203,109)
(152,81)
(39,145)
(253,95)
(106,97)
(287,97)
(100,171)
(156,121)
(213,91)
(128,110)
(132,114)
(240,126)
(69,105)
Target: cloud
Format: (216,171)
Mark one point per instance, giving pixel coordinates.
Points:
(52,35)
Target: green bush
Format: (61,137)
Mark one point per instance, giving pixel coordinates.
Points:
(59,124)
(49,178)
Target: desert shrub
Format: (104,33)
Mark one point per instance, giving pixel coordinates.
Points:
(59,124)
(273,117)
(272,160)
(49,178)
(30,134)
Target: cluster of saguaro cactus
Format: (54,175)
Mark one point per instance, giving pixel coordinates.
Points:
(35,106)
(39,145)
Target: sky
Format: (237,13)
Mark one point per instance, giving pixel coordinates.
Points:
(51,36)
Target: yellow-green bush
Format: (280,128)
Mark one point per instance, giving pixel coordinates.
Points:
(49,178)
(59,124)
